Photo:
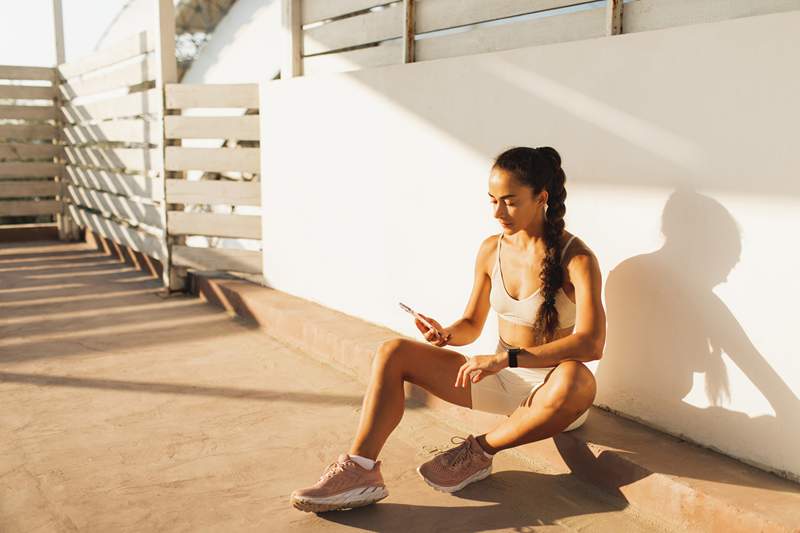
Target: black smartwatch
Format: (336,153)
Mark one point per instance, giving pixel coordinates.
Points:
(512,356)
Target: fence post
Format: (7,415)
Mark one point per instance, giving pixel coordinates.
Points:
(292,38)
(613,17)
(68,229)
(173,278)
(408,31)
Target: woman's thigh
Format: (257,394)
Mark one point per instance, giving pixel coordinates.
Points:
(427,366)
(569,385)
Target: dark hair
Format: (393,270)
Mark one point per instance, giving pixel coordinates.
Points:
(540,168)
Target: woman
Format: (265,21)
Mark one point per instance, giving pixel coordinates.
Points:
(551,321)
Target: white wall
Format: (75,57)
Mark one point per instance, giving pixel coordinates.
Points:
(374,188)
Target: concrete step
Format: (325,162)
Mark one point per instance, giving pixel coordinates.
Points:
(659,476)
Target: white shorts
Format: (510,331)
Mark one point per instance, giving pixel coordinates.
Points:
(504,391)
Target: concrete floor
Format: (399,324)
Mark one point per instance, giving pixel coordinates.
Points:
(123,411)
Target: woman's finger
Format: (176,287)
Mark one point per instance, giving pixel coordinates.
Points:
(465,374)
(458,376)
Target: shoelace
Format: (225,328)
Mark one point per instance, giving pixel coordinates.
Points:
(332,469)
(453,456)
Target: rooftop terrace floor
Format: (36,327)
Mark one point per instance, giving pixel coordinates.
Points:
(125,411)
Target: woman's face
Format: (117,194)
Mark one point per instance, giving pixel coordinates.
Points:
(514,205)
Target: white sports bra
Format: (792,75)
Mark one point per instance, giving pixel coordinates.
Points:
(524,311)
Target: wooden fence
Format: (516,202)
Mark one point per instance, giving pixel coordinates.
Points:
(325,36)
(230,173)
(112,114)
(29,152)
(126,167)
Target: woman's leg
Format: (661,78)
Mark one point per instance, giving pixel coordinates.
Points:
(396,361)
(567,392)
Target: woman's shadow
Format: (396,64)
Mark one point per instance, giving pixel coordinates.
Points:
(666,324)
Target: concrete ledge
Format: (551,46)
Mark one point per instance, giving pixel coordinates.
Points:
(662,477)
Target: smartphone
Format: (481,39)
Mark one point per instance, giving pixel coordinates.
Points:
(416,315)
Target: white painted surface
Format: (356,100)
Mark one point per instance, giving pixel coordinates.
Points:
(374,190)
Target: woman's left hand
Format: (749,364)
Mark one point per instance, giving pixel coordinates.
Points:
(478,367)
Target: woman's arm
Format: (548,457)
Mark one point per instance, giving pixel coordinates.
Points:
(587,341)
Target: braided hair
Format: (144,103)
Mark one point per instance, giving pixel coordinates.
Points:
(540,168)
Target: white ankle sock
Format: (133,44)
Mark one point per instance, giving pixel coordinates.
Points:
(487,454)
(363,461)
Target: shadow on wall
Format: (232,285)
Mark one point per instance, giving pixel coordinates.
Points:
(666,323)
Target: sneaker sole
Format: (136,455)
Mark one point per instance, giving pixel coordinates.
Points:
(477,476)
(358,497)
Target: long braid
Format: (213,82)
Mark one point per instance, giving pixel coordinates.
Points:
(551,275)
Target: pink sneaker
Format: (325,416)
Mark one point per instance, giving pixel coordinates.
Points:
(343,485)
(457,467)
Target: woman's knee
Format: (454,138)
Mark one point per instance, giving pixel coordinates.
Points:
(572,385)
(389,352)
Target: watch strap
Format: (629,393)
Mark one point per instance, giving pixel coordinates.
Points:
(511,353)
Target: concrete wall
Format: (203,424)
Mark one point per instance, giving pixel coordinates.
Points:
(375,182)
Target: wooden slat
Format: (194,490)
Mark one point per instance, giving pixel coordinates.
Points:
(29,112)
(28,132)
(11,208)
(19,189)
(435,15)
(183,96)
(240,128)
(144,69)
(225,259)
(130,130)
(567,27)
(27,92)
(134,45)
(212,159)
(140,241)
(129,209)
(352,31)
(316,10)
(648,15)
(214,224)
(19,151)
(213,192)
(389,53)
(14,72)
(139,159)
(30,170)
(144,102)
(115,182)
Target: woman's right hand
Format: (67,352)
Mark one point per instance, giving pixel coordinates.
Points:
(438,337)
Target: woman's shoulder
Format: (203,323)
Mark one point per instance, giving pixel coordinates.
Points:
(575,246)
(487,252)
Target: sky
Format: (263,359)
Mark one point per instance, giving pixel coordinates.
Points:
(27,35)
